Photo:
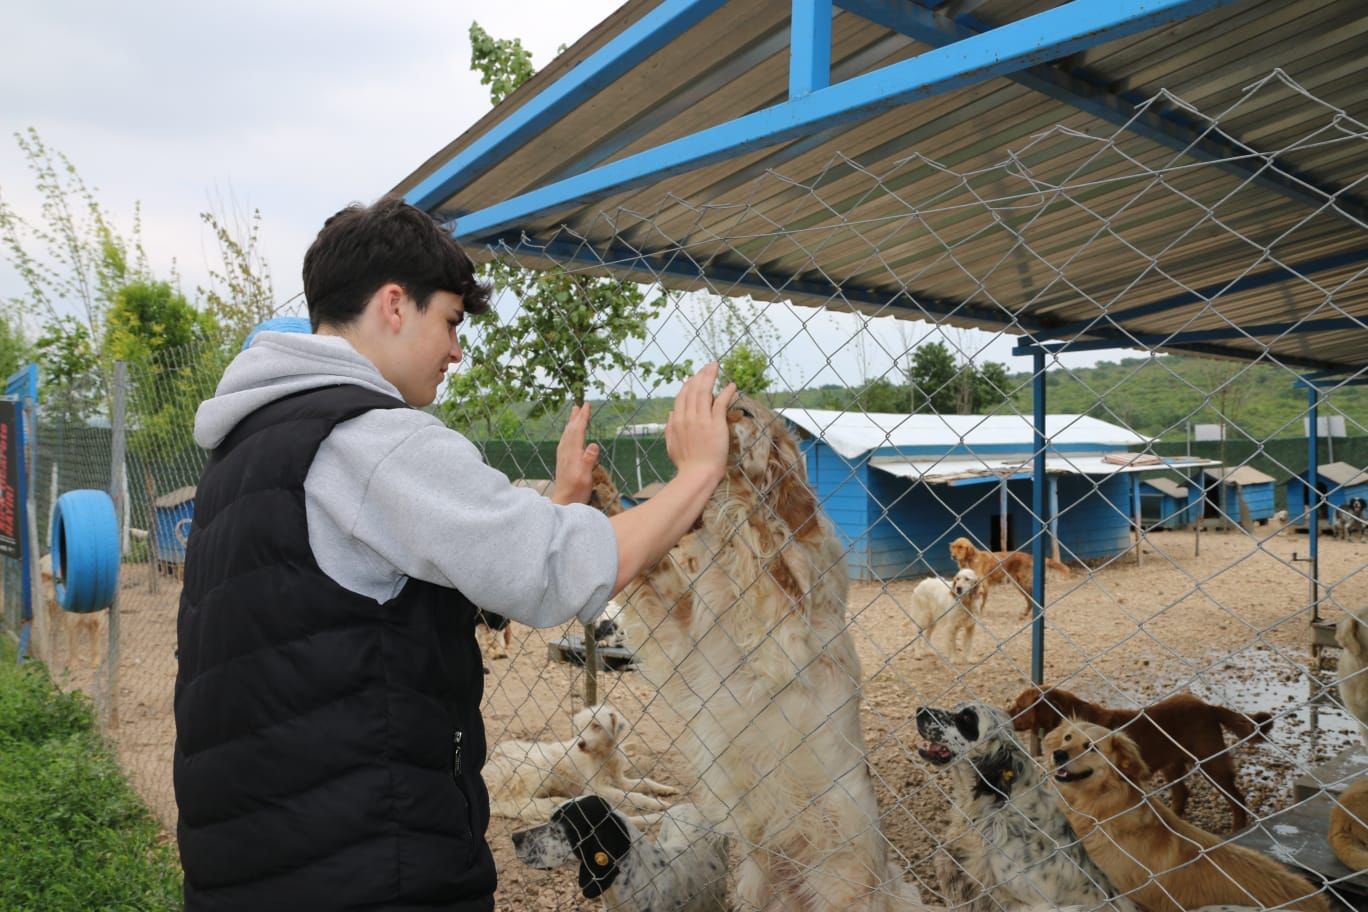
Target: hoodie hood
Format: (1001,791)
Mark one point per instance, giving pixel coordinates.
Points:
(278,365)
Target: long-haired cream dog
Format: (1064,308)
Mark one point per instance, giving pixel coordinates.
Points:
(743,628)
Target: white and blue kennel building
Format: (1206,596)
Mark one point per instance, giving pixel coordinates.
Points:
(900,488)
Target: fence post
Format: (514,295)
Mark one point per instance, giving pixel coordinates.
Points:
(117,487)
(1037,523)
(1313,506)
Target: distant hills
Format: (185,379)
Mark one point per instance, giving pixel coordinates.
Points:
(1157,397)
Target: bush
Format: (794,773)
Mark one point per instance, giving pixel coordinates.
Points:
(75,835)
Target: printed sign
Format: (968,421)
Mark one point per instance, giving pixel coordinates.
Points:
(9,478)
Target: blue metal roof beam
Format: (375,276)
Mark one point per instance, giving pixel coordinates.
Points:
(1087,92)
(1158,340)
(1058,32)
(1205,295)
(637,42)
(809,47)
(726,279)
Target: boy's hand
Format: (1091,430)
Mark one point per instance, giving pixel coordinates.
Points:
(574,461)
(696,435)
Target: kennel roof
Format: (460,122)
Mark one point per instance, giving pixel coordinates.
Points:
(1342,474)
(853,434)
(1168,486)
(1239,475)
(1087,175)
(961,471)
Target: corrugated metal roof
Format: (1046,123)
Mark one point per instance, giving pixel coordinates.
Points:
(1240,475)
(853,434)
(1342,473)
(961,471)
(1168,486)
(895,205)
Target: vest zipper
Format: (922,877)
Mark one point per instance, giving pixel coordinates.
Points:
(456,754)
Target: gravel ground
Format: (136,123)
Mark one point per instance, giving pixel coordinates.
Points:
(1229,624)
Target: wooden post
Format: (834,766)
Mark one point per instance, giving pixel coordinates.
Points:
(118,485)
(151,530)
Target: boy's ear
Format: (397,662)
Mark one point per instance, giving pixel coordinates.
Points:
(389,297)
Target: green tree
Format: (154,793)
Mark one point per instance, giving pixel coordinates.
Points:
(933,378)
(72,261)
(174,361)
(992,386)
(240,293)
(741,337)
(569,330)
(15,350)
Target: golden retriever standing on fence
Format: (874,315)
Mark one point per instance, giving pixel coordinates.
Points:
(742,627)
(995,567)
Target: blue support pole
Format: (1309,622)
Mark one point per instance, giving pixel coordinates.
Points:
(1038,485)
(637,42)
(1058,32)
(809,47)
(1313,502)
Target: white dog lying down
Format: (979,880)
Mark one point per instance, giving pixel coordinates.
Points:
(685,869)
(956,603)
(528,779)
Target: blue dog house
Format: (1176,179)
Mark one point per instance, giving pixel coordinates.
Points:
(1238,494)
(172,514)
(900,488)
(1166,503)
(1337,482)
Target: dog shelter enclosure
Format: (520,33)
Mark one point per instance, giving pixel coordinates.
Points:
(842,189)
(1044,181)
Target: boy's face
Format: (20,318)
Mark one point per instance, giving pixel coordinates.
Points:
(425,346)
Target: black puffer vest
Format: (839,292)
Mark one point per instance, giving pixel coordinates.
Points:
(328,748)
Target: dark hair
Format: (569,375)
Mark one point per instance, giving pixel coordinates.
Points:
(362,248)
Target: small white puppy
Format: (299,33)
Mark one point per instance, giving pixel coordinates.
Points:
(956,603)
(528,779)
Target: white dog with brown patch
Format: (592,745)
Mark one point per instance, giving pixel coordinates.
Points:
(956,604)
(528,779)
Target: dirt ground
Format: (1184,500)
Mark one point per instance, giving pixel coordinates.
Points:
(1230,624)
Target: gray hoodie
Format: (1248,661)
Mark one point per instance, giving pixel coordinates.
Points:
(395,494)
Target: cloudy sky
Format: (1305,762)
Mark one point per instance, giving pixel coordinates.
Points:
(294,109)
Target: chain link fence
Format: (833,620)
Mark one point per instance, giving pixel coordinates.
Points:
(797,680)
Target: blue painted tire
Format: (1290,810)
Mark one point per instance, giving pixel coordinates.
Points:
(279,325)
(85,551)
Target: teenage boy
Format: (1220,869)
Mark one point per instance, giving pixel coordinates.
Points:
(329,739)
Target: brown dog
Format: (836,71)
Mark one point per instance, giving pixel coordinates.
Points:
(1172,735)
(995,567)
(1160,860)
(1348,834)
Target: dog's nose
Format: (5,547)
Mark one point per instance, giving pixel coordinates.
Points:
(1061,757)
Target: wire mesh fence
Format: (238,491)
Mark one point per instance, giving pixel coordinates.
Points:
(829,682)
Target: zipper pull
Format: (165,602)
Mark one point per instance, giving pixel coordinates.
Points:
(456,753)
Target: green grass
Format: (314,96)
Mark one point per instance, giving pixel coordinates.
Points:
(73,834)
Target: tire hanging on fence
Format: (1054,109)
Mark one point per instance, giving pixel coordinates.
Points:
(85,551)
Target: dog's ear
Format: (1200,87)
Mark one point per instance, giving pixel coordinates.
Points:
(601,840)
(1124,754)
(790,495)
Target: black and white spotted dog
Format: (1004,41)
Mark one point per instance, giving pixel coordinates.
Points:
(1352,518)
(683,870)
(1008,845)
